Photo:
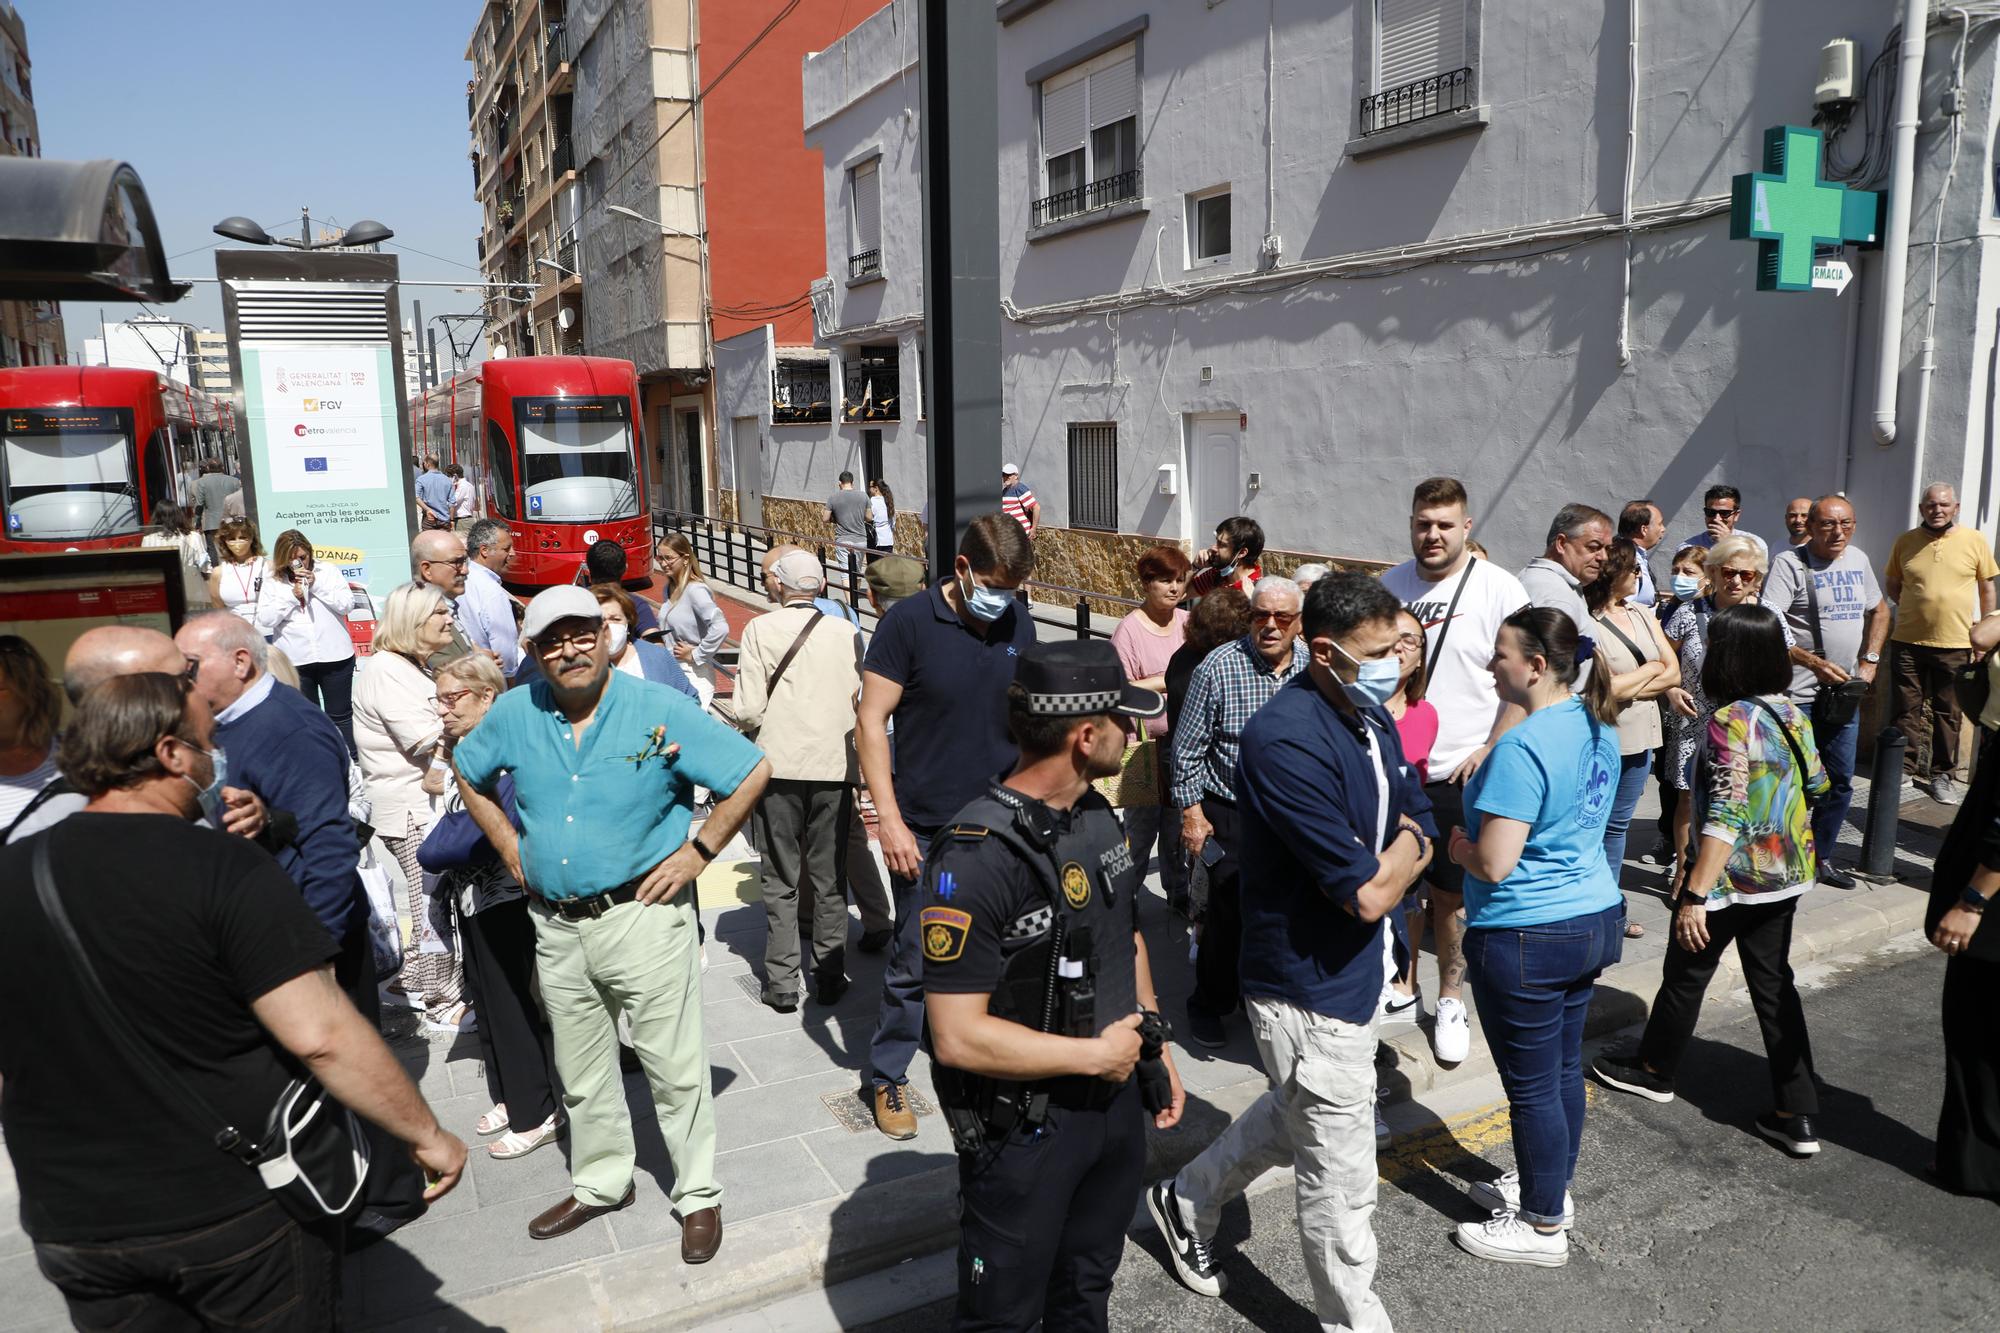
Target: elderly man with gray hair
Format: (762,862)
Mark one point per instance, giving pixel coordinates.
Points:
(1229,686)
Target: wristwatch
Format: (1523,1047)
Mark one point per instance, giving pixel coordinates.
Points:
(1871,657)
(1972,900)
(701,849)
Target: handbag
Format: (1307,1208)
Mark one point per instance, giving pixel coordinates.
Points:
(1834,703)
(1973,685)
(1137,781)
(311,1153)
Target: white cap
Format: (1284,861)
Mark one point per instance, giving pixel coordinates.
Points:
(1009,470)
(564,602)
(799,571)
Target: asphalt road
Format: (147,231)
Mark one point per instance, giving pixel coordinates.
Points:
(1686,1219)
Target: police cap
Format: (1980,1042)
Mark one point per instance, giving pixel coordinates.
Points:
(1081,678)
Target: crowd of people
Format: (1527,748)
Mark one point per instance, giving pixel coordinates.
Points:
(1327,767)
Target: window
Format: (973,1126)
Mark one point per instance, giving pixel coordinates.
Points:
(801,393)
(1090,135)
(1093,477)
(1208,227)
(500,459)
(864,217)
(870,384)
(1422,62)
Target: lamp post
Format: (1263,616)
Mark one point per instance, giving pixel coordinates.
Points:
(365,232)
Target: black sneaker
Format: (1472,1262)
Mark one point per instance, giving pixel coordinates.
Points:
(828,990)
(1625,1073)
(1204,1028)
(1834,877)
(1660,853)
(1193,1263)
(1792,1133)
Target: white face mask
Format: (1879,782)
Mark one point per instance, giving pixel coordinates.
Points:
(617,632)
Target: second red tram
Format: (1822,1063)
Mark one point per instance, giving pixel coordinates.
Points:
(87,452)
(552,445)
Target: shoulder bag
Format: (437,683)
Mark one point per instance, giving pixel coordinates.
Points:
(311,1154)
(778,672)
(1437,649)
(1798,755)
(1834,704)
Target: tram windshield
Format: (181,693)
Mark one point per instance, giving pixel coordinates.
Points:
(66,473)
(576,459)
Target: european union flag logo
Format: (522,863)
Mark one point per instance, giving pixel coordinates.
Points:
(946,886)
(315,465)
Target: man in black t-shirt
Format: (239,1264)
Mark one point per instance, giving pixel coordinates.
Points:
(208,953)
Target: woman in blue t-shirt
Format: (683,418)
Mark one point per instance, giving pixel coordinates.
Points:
(1543,918)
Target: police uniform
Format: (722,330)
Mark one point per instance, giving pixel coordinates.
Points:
(1036,908)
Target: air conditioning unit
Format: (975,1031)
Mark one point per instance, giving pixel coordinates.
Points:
(1837,60)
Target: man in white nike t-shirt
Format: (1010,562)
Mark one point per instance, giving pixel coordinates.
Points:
(1460,601)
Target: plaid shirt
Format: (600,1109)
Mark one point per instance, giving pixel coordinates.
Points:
(1231,683)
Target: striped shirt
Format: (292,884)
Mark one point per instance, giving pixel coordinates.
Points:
(1229,686)
(1015,501)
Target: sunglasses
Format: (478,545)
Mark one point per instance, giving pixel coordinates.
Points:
(1716,513)
(1740,575)
(1278,618)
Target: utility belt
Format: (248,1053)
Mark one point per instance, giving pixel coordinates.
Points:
(982,1112)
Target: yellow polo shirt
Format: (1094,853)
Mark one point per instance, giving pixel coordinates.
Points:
(1941,578)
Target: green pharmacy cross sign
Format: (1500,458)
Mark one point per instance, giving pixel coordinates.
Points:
(1788,208)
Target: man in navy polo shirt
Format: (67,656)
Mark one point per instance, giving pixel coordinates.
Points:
(1336,828)
(940,664)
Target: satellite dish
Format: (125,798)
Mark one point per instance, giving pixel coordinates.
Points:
(566,318)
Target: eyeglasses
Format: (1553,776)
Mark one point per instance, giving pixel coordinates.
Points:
(1282,619)
(1409,640)
(458,562)
(448,699)
(1708,512)
(555,647)
(190,671)
(1834,524)
(1740,575)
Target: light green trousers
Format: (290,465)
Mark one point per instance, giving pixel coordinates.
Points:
(644,962)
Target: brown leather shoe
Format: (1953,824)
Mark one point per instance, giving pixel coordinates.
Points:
(893,1115)
(572,1213)
(701,1235)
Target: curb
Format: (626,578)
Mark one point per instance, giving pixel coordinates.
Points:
(886,1224)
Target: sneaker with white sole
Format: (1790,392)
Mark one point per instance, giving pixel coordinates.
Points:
(1451,1032)
(1395,1006)
(1627,1074)
(1509,1240)
(1947,790)
(1192,1261)
(1504,1196)
(1792,1133)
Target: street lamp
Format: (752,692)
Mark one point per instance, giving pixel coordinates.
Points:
(545,260)
(637,216)
(365,232)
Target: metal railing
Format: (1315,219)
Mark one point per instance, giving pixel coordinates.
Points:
(1086,198)
(1418,100)
(563,158)
(556,45)
(732,552)
(861,265)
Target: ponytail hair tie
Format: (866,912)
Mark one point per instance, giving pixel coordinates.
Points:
(1586,648)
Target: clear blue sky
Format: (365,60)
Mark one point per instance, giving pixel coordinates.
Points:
(355,108)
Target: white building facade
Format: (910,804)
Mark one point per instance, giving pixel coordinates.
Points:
(1285,259)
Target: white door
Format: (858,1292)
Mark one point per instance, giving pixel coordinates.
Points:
(1215,471)
(748,447)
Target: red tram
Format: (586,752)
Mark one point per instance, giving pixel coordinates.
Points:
(87,451)
(552,446)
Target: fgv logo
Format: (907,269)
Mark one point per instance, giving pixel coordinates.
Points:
(320,404)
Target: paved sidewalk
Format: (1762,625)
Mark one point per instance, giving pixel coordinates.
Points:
(813,1195)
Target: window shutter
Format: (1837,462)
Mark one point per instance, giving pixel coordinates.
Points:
(1063,124)
(867,207)
(1416,39)
(1114,92)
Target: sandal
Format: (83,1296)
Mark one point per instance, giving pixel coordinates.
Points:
(511,1145)
(1634,931)
(493,1121)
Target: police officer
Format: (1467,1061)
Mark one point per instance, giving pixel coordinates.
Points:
(1041,1004)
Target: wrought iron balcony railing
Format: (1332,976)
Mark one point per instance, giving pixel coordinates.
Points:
(861,265)
(1086,198)
(1418,100)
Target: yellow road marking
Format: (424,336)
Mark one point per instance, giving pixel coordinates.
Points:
(1446,1148)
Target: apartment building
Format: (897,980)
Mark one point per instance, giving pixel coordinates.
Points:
(31,332)
(642,179)
(211,351)
(1284,259)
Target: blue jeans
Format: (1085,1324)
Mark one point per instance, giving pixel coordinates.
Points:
(1836,751)
(1632,772)
(899,1026)
(1533,987)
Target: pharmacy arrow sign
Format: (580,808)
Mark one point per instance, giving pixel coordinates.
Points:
(1832,275)
(1790,207)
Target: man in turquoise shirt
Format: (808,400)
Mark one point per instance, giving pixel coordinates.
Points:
(605,766)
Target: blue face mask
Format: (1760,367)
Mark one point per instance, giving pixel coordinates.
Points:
(1374,682)
(1686,585)
(985,604)
(210,796)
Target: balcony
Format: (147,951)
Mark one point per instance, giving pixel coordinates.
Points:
(555,46)
(801,393)
(871,383)
(1438,95)
(1086,198)
(865,264)
(563,159)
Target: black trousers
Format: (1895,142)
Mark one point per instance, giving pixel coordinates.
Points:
(1217,965)
(1043,1219)
(513,1036)
(259,1269)
(1762,933)
(393,1192)
(1968,1134)
(330,685)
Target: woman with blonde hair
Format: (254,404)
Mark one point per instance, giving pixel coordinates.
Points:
(237,580)
(30,708)
(303,610)
(695,625)
(400,740)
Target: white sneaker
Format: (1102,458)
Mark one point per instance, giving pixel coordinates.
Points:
(1382,1131)
(1394,1006)
(1451,1034)
(1946,790)
(1504,1196)
(1509,1240)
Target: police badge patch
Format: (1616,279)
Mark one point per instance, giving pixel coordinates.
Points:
(1076,885)
(944,930)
